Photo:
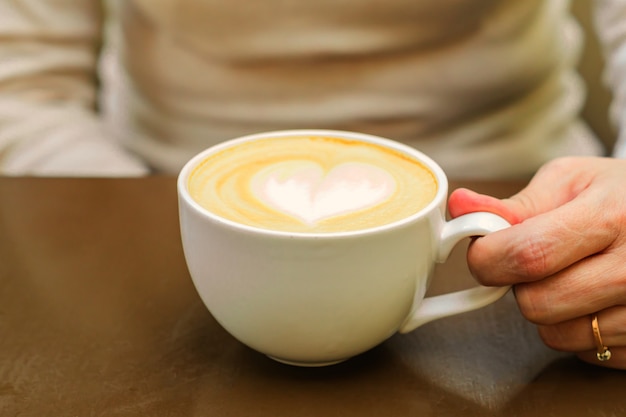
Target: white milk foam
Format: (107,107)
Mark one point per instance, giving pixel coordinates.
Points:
(302,189)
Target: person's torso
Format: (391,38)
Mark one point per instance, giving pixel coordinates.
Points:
(191,73)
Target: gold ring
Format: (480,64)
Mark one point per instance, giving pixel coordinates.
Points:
(604,354)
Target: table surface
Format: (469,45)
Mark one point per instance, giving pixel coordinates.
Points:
(98,317)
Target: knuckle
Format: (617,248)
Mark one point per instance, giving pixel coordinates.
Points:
(530,260)
(561,165)
(612,217)
(523,261)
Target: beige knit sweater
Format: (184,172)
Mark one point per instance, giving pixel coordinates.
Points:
(486,87)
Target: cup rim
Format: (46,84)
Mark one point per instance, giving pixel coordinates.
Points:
(440,177)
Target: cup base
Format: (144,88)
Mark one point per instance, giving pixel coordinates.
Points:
(307,364)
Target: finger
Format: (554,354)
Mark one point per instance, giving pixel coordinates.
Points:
(554,184)
(576,335)
(463,201)
(591,285)
(542,245)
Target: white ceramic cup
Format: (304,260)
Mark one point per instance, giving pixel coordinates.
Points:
(317,299)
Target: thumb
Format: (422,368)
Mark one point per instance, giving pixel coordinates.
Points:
(463,201)
(554,185)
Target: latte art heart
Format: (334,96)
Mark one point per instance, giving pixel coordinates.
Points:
(302,189)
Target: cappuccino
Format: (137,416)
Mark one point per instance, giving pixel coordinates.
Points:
(311,184)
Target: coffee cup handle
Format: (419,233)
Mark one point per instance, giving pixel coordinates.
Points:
(436,307)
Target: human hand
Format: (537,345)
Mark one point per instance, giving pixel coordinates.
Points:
(565,253)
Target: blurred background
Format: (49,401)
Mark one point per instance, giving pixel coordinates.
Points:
(596,108)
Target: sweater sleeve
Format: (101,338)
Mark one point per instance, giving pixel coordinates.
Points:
(48,88)
(610,22)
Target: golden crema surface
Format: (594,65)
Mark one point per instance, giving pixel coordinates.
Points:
(311,184)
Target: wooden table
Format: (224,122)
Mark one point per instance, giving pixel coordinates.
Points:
(98,317)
